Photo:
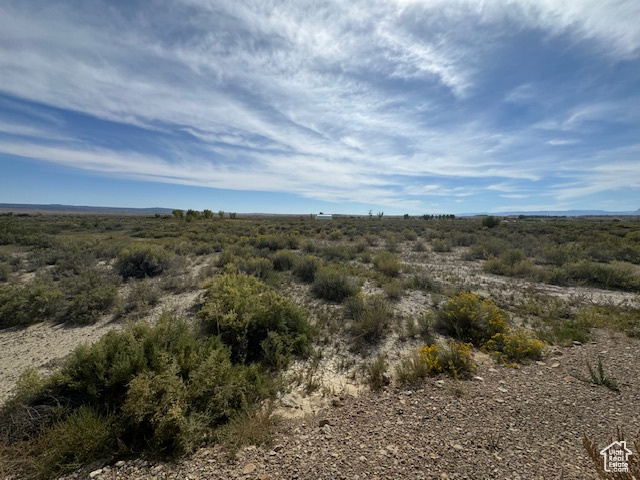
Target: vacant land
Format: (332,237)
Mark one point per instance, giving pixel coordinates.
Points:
(389,347)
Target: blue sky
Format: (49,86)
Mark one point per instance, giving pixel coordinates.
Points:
(401,106)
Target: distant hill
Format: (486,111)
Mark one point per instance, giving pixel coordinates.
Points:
(75,209)
(559,213)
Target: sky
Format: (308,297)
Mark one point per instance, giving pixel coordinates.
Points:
(399,106)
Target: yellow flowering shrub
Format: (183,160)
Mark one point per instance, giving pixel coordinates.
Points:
(450,357)
(469,318)
(515,346)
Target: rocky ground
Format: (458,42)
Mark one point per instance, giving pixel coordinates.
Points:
(504,423)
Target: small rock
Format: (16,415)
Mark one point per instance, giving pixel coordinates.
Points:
(323,422)
(499,400)
(157,469)
(540,363)
(326,429)
(555,365)
(577,343)
(95,473)
(289,401)
(457,446)
(503,390)
(479,379)
(278,448)
(248,468)
(362,458)
(120,463)
(440,383)
(272,453)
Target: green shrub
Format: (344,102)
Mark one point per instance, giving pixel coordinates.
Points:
(421,281)
(283,260)
(376,373)
(387,263)
(441,245)
(471,319)
(160,389)
(512,262)
(614,276)
(564,331)
(306,268)
(83,436)
(253,320)
(5,271)
(490,221)
(393,290)
(276,242)
(338,253)
(89,295)
(411,369)
(37,301)
(333,283)
(142,297)
(140,261)
(370,318)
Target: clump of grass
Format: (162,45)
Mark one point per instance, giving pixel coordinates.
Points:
(393,289)
(597,376)
(421,281)
(370,319)
(412,368)
(305,268)
(376,374)
(441,245)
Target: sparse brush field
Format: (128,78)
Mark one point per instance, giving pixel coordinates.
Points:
(129,337)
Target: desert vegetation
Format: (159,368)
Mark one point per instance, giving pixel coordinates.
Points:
(272,296)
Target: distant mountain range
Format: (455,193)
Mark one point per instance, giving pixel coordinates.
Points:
(76,209)
(27,208)
(559,213)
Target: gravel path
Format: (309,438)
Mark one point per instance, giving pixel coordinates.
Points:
(524,423)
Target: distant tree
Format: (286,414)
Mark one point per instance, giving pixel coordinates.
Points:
(221,213)
(490,221)
(178,213)
(406,216)
(208,214)
(370,214)
(232,215)
(380,214)
(193,214)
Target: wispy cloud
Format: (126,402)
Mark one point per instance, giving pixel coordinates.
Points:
(392,101)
